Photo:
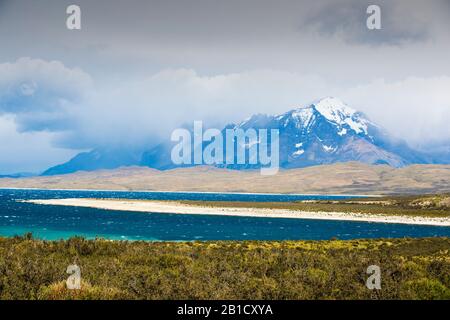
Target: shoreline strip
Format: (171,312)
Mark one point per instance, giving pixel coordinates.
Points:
(174,207)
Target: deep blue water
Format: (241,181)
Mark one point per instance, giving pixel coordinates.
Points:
(59,222)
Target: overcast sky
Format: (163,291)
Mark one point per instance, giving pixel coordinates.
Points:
(137,69)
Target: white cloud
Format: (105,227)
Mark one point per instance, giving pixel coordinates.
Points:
(147,110)
(27,152)
(417,109)
(40,93)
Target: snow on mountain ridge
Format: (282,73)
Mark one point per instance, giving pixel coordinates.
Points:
(303,116)
(333,110)
(338,112)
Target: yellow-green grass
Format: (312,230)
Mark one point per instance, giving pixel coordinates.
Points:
(410,269)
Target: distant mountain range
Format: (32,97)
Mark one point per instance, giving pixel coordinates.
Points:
(325,132)
(18,175)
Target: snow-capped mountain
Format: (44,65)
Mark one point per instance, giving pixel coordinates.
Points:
(326,131)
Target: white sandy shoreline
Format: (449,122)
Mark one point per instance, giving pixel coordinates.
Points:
(174,207)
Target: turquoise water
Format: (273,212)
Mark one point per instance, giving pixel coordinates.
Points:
(61,222)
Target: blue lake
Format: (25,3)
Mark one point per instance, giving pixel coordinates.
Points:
(60,222)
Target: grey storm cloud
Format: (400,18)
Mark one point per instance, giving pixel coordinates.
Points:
(126,37)
(402,21)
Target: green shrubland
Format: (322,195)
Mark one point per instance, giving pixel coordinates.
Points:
(410,269)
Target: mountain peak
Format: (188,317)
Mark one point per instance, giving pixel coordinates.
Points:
(339,113)
(333,109)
